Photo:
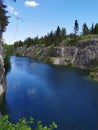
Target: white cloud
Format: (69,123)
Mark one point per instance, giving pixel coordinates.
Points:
(31,3)
(32,91)
(12,11)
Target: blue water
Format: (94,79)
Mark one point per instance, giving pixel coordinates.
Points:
(51,93)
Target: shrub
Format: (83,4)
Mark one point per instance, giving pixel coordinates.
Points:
(23,124)
(92,74)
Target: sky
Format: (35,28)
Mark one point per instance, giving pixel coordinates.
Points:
(31,18)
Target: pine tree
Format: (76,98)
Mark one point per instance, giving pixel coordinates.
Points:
(76,27)
(92,29)
(51,38)
(85,29)
(3,18)
(63,33)
(96,29)
(58,36)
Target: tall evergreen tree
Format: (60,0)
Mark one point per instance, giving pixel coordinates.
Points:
(76,27)
(85,29)
(63,33)
(51,37)
(92,29)
(96,29)
(3,18)
(58,36)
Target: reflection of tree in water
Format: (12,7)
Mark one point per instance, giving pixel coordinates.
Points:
(3,104)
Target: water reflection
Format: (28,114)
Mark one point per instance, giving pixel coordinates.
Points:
(52,93)
(31,92)
(7,67)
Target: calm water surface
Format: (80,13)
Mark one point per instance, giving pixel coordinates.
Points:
(50,93)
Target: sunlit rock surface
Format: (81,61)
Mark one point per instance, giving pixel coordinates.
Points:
(80,55)
(2,70)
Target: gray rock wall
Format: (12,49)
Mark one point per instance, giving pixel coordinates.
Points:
(80,55)
(2,70)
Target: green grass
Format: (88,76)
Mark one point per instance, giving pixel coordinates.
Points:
(87,37)
(80,38)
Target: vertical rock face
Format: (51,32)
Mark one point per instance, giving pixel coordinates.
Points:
(2,70)
(80,55)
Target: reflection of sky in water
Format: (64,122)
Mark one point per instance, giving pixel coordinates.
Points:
(31,92)
(52,93)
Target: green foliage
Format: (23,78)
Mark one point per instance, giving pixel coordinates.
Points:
(52,38)
(47,60)
(92,29)
(8,49)
(87,37)
(67,40)
(73,39)
(3,18)
(18,54)
(23,124)
(63,33)
(94,69)
(28,41)
(57,36)
(18,44)
(86,30)
(92,74)
(96,29)
(41,127)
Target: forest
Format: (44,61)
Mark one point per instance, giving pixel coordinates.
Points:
(60,35)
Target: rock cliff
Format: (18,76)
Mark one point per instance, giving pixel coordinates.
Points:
(81,54)
(2,70)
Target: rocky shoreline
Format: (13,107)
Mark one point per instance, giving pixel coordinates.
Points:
(82,54)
